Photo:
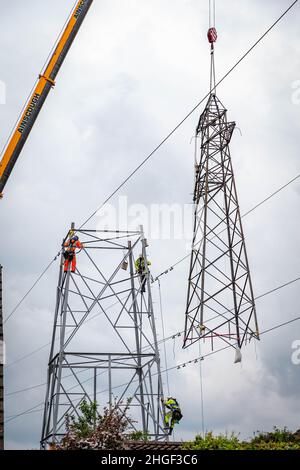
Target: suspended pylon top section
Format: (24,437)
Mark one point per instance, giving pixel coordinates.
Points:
(220,300)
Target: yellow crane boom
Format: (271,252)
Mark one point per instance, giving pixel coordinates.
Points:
(45,83)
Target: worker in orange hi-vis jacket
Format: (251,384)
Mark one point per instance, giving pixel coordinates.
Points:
(69,254)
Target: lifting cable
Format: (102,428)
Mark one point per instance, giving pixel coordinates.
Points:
(212,37)
(164,336)
(212,13)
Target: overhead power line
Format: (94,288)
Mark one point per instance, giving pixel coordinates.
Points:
(27,355)
(179,333)
(200,358)
(48,344)
(164,340)
(33,387)
(29,290)
(272,195)
(166,271)
(30,410)
(275,327)
(178,366)
(148,157)
(188,115)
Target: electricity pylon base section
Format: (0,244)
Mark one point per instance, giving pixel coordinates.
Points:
(104,342)
(220,300)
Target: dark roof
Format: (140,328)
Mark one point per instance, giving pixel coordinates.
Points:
(154,445)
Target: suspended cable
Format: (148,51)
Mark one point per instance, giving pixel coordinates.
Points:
(49,343)
(168,338)
(27,355)
(164,340)
(28,292)
(33,387)
(179,333)
(166,271)
(277,288)
(30,410)
(272,195)
(184,364)
(163,332)
(125,181)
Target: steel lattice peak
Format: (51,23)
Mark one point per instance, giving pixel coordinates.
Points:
(220,300)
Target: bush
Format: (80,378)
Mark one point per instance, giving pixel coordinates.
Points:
(211,442)
(278,439)
(277,435)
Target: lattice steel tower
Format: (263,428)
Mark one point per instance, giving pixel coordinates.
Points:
(104,343)
(220,301)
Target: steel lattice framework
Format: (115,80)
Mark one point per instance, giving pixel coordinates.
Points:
(220,301)
(116,360)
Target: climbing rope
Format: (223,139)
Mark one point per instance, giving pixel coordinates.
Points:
(164,336)
(201,391)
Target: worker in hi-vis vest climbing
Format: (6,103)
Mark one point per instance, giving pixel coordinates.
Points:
(172,414)
(69,253)
(141,270)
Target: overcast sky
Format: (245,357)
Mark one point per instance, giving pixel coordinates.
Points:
(134,71)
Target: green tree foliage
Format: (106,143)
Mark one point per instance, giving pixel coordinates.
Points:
(211,442)
(84,425)
(139,436)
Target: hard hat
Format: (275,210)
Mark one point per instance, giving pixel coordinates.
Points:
(75,238)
